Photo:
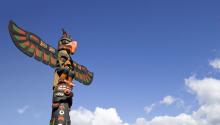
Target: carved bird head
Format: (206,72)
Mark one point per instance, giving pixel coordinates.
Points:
(67,43)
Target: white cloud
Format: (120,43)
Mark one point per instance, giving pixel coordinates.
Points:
(215,63)
(100,116)
(168,100)
(148,109)
(23,109)
(182,119)
(207,90)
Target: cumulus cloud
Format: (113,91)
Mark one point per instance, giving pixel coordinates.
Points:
(100,116)
(206,90)
(182,119)
(22,110)
(215,63)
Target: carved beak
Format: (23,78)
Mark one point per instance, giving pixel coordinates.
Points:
(72,45)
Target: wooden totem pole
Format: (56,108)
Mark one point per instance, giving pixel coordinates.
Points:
(60,59)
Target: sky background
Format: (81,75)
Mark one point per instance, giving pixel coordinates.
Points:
(140,52)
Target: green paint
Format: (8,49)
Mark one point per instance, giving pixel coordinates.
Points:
(17,37)
(16,28)
(40,54)
(48,58)
(22,45)
(31,50)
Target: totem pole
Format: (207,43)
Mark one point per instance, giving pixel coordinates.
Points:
(60,59)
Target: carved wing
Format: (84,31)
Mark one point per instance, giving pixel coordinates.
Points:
(82,74)
(31,45)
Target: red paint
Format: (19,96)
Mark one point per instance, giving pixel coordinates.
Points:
(35,38)
(21,32)
(60,118)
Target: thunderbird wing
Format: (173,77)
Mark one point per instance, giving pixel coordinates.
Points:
(31,45)
(82,74)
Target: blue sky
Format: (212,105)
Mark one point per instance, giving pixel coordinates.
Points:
(140,51)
